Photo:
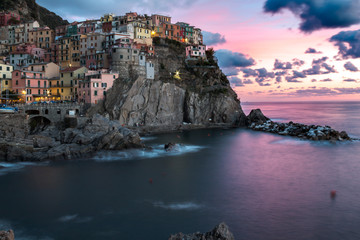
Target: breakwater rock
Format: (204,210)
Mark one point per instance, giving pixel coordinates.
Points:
(220,232)
(59,142)
(7,235)
(258,122)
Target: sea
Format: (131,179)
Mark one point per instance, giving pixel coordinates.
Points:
(263,186)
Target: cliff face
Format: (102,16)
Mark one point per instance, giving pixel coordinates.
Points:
(30,10)
(202,96)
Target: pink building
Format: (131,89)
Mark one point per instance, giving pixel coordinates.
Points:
(196,51)
(25,48)
(5,18)
(158,20)
(94,87)
(39,53)
(32,85)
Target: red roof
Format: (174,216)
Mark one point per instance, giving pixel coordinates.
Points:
(70,69)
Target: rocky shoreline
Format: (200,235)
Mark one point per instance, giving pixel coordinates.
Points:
(259,122)
(220,232)
(89,135)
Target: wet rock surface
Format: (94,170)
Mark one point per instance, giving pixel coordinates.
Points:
(220,232)
(55,143)
(258,122)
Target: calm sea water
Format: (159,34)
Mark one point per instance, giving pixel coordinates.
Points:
(263,186)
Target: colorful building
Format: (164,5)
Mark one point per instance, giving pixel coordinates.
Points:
(95,85)
(69,51)
(65,87)
(5,77)
(196,51)
(33,86)
(8,18)
(158,20)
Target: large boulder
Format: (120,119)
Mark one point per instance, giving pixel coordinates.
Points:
(7,235)
(220,232)
(256,116)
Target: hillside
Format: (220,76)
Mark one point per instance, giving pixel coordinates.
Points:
(30,10)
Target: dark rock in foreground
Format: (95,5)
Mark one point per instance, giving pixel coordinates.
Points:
(7,235)
(220,232)
(54,143)
(258,122)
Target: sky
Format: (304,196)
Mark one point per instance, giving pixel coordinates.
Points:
(271,50)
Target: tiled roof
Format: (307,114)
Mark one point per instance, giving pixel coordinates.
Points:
(70,69)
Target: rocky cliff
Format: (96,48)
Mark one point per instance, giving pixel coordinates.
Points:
(30,10)
(202,95)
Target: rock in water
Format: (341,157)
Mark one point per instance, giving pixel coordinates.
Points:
(7,235)
(256,116)
(220,232)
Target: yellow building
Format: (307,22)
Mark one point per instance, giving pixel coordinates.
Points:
(65,87)
(5,77)
(69,52)
(42,37)
(107,18)
(141,30)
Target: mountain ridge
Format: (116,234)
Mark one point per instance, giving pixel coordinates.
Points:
(30,10)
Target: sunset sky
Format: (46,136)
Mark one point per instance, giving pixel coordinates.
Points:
(271,50)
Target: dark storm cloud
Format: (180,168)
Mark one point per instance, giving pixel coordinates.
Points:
(261,75)
(329,69)
(282,65)
(351,67)
(229,58)
(247,81)
(320,60)
(348,43)
(212,39)
(315,14)
(312,51)
(230,71)
(326,80)
(318,65)
(349,80)
(235,81)
(248,72)
(298,62)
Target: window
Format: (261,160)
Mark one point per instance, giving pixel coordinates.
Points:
(6,82)
(71,74)
(28,83)
(62,90)
(62,75)
(7,68)
(17,82)
(38,83)
(95,93)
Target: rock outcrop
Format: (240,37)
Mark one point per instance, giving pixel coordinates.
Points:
(91,135)
(7,235)
(220,232)
(258,122)
(201,96)
(30,10)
